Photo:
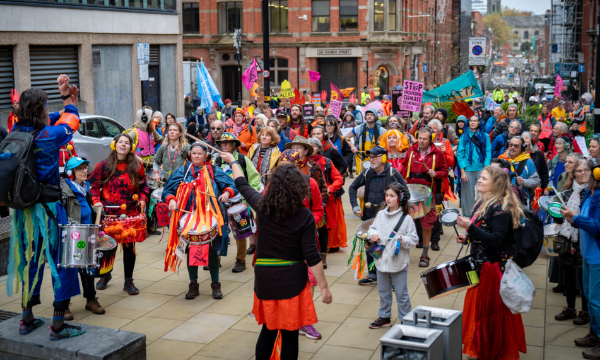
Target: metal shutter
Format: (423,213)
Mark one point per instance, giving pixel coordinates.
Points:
(154,54)
(7,80)
(47,63)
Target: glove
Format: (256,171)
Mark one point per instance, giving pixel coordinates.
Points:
(355,210)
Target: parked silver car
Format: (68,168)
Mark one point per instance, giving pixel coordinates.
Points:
(93,139)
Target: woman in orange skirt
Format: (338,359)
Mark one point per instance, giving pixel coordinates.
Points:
(490,329)
(286,245)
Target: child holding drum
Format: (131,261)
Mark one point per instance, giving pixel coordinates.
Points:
(392,235)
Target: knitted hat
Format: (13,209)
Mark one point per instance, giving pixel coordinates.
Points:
(444,112)
(461,118)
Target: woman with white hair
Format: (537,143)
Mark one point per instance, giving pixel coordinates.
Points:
(557,164)
(560,129)
(538,158)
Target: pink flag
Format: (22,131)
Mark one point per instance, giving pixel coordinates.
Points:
(250,75)
(558,86)
(314,75)
(376,106)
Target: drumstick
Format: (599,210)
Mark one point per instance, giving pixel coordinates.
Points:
(559,196)
(202,142)
(98,214)
(185,211)
(269,173)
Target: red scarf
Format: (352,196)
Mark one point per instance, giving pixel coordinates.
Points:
(317,160)
(326,145)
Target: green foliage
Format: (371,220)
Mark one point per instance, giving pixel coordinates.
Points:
(534,111)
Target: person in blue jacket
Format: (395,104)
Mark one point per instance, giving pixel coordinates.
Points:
(223,188)
(42,218)
(588,223)
(490,125)
(473,154)
(523,170)
(284,140)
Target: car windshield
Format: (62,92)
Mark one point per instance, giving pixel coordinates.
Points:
(111,127)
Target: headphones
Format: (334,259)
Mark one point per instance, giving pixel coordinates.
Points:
(144,116)
(114,143)
(595,169)
(428,128)
(523,145)
(384,159)
(404,196)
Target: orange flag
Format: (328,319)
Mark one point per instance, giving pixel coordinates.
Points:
(450,195)
(347,91)
(336,94)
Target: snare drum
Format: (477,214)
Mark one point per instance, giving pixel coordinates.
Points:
(241,221)
(550,233)
(450,277)
(202,237)
(78,246)
(449,216)
(420,203)
(105,254)
(363,228)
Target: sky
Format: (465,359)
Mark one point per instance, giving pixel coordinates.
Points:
(538,7)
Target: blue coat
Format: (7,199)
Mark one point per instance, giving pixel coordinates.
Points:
(220,182)
(463,157)
(590,228)
(284,140)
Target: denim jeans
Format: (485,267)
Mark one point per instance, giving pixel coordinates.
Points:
(384,286)
(591,289)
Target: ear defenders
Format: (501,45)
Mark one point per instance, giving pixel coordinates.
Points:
(384,158)
(144,116)
(595,169)
(430,131)
(195,145)
(113,145)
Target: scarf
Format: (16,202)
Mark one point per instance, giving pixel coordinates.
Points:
(326,145)
(471,146)
(574,202)
(523,156)
(82,189)
(238,129)
(266,159)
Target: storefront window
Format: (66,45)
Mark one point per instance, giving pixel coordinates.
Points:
(230,17)
(320,15)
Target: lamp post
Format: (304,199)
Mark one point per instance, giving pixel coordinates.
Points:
(237,43)
(266,61)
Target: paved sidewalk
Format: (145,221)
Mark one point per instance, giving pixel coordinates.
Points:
(208,329)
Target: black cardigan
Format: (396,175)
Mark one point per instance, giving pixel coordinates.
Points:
(491,235)
(293,239)
(541,167)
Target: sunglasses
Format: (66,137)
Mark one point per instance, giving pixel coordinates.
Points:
(216,128)
(514,145)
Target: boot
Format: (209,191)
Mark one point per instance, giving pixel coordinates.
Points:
(435,246)
(590,340)
(239,266)
(593,353)
(94,306)
(68,313)
(193,292)
(324,256)
(216,290)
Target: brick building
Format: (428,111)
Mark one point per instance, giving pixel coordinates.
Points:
(352,43)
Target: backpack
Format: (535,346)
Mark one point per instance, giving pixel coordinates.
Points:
(519,191)
(528,238)
(19,188)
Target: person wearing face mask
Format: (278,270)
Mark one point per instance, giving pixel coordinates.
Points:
(297,122)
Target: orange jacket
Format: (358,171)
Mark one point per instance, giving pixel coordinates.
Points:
(247,136)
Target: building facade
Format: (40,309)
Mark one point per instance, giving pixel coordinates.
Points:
(494,6)
(526,27)
(351,43)
(96,44)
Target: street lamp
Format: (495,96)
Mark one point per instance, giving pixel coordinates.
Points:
(237,43)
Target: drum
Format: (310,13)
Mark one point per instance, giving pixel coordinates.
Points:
(155,198)
(554,211)
(241,221)
(362,229)
(550,233)
(366,165)
(198,238)
(420,203)
(106,251)
(448,216)
(78,246)
(450,277)
(543,202)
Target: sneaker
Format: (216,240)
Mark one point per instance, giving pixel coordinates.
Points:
(103,282)
(310,332)
(566,314)
(68,313)
(380,322)
(367,281)
(27,328)
(251,250)
(582,319)
(590,340)
(67,331)
(239,266)
(94,306)
(130,288)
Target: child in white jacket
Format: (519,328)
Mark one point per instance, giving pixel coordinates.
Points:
(393,263)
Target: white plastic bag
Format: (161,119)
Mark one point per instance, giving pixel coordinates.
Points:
(516,290)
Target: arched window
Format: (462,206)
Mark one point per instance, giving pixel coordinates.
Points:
(526,35)
(278,68)
(381,81)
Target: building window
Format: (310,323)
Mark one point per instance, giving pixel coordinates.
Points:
(278,12)
(392,15)
(7,79)
(230,17)
(378,15)
(526,35)
(159,5)
(279,71)
(190,16)
(320,15)
(536,33)
(516,44)
(348,15)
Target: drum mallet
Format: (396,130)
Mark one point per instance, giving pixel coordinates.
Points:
(559,195)
(202,142)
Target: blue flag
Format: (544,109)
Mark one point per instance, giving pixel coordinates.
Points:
(461,88)
(490,104)
(203,89)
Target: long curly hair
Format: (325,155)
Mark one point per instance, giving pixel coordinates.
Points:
(300,121)
(33,109)
(182,140)
(131,160)
(501,193)
(285,194)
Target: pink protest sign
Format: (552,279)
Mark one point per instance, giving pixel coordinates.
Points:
(336,108)
(412,96)
(314,75)
(558,86)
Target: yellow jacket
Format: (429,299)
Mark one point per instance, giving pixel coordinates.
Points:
(364,97)
(275,155)
(498,95)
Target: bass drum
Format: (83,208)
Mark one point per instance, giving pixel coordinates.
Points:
(450,277)
(420,203)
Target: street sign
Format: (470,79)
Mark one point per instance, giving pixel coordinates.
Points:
(144,72)
(143,51)
(477,50)
(425,67)
(581,68)
(266,73)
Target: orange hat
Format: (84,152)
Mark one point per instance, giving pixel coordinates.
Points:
(239,111)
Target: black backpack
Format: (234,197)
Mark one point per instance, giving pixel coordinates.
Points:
(19,188)
(528,238)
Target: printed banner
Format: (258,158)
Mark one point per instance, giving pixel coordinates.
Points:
(412,96)
(461,88)
(314,75)
(316,98)
(336,108)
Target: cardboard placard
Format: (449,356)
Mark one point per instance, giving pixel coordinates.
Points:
(180,248)
(308,111)
(412,96)
(336,108)
(316,98)
(286,90)
(199,255)
(162,214)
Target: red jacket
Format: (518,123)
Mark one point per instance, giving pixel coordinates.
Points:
(335,181)
(316,203)
(411,165)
